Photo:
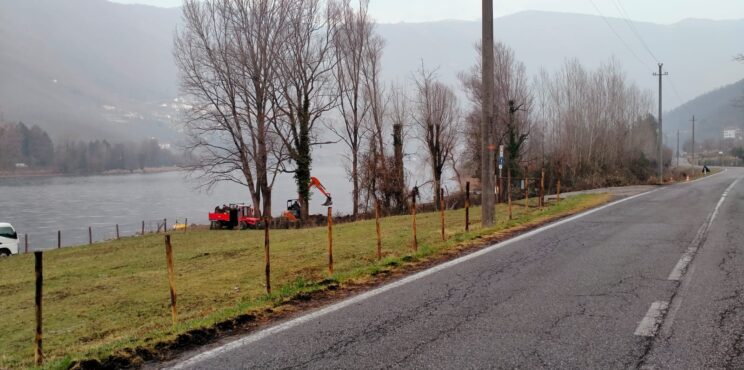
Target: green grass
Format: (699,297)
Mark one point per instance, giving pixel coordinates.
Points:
(113,295)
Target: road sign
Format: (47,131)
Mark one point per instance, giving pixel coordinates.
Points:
(501,157)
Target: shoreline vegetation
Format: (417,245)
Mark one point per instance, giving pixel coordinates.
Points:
(107,303)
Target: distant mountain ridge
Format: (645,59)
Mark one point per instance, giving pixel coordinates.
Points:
(98,69)
(713,111)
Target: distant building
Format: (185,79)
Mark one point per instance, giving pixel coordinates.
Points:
(21,165)
(732,133)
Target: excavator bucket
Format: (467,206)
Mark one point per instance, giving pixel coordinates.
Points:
(328,202)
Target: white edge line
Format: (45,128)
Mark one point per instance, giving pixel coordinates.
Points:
(688,256)
(650,323)
(369,294)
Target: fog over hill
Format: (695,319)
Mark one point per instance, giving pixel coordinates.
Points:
(97,69)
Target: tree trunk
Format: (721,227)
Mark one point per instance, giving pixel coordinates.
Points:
(355,181)
(400,181)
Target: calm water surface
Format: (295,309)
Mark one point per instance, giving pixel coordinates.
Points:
(42,205)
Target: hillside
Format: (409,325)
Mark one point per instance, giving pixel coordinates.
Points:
(97,69)
(723,107)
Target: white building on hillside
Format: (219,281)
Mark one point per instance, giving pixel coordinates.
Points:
(732,133)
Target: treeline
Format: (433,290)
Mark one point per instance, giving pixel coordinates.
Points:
(24,147)
(265,75)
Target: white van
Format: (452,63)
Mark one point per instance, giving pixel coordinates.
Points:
(8,240)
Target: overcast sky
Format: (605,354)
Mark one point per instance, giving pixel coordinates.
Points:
(657,11)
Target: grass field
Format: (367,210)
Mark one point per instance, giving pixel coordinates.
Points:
(102,298)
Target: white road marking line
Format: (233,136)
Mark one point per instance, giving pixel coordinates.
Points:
(679,270)
(251,338)
(651,322)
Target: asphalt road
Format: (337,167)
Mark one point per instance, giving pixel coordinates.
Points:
(654,281)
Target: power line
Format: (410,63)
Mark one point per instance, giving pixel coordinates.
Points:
(631,25)
(618,35)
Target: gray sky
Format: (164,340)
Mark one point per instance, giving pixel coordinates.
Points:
(657,11)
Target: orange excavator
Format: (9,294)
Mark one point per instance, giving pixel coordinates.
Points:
(293,205)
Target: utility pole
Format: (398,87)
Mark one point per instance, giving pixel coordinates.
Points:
(661,131)
(488,147)
(693,141)
(677,147)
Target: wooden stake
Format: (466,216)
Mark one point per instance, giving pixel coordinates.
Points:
(377,227)
(542,187)
(143,228)
(171,277)
(558,184)
(441,212)
(117,231)
(330,240)
(38,267)
(267,259)
(59,239)
(90,235)
(185,224)
(526,191)
(165,225)
(25,242)
(413,214)
(467,206)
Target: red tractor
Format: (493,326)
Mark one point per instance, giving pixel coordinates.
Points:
(230,216)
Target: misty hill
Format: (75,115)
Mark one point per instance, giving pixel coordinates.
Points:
(714,111)
(96,69)
(90,66)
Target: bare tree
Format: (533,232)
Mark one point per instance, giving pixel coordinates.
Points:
(436,116)
(352,57)
(224,53)
(739,58)
(305,64)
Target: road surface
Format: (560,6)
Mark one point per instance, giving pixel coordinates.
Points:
(654,281)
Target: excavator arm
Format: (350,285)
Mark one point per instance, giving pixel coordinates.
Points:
(314,182)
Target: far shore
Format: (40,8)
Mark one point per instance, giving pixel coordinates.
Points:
(54,173)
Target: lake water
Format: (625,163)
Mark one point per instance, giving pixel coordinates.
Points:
(39,206)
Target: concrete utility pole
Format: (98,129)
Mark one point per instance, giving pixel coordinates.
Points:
(693,141)
(488,147)
(661,131)
(677,147)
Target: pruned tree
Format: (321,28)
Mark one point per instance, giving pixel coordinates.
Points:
(510,85)
(355,33)
(436,116)
(307,89)
(225,52)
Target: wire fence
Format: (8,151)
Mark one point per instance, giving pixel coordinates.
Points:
(94,233)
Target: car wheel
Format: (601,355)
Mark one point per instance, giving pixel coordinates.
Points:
(4,253)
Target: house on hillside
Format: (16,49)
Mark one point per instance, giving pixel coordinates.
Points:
(732,133)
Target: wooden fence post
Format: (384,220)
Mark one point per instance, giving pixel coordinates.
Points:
(542,187)
(441,212)
(267,259)
(526,190)
(467,206)
(185,224)
(38,267)
(90,235)
(117,232)
(165,225)
(377,228)
(25,243)
(508,190)
(330,240)
(558,184)
(414,193)
(59,239)
(171,277)
(143,228)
